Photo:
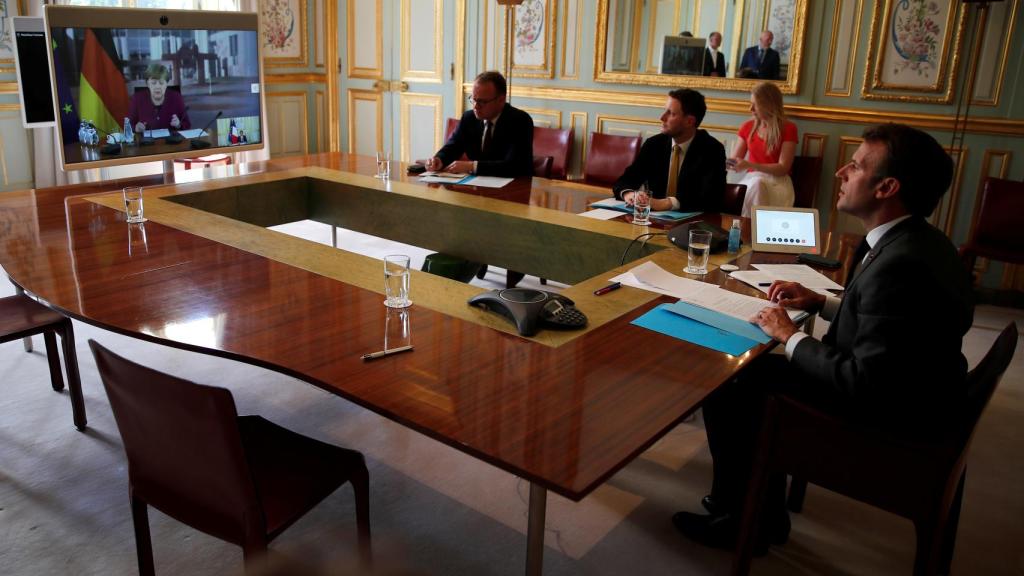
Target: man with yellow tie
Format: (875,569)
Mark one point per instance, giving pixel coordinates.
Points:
(683,167)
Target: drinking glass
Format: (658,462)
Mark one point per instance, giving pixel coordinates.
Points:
(133,204)
(641,206)
(383,164)
(697,252)
(396,281)
(397,332)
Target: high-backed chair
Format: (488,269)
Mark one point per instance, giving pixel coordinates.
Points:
(450,127)
(608,157)
(917,479)
(732,203)
(20,317)
(241,479)
(806,175)
(556,143)
(542,166)
(999,229)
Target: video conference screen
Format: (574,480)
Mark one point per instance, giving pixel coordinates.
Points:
(785,228)
(154,84)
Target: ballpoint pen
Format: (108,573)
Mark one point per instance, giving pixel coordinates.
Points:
(764,283)
(608,288)
(373,355)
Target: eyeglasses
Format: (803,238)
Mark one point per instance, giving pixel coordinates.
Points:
(481,101)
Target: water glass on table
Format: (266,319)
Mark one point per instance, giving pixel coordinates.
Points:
(697,251)
(396,281)
(383,164)
(641,206)
(133,204)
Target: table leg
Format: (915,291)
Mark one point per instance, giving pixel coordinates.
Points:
(334,235)
(535,530)
(27,340)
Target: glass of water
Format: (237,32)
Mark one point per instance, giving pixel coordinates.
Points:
(133,204)
(697,252)
(641,206)
(383,164)
(396,281)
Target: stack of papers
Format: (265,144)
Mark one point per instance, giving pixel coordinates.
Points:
(768,273)
(621,206)
(470,179)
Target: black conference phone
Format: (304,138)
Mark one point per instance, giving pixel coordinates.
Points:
(680,235)
(529,309)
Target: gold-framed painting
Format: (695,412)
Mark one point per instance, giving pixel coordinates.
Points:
(914,51)
(8,9)
(533,41)
(284,33)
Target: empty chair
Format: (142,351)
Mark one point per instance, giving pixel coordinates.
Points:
(999,228)
(608,158)
(542,166)
(556,143)
(806,175)
(241,479)
(732,203)
(922,480)
(20,317)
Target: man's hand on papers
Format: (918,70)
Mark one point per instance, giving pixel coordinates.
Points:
(775,322)
(432,164)
(794,295)
(460,167)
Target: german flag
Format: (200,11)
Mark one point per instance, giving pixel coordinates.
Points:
(103,95)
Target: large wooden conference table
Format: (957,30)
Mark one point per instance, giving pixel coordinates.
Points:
(564,410)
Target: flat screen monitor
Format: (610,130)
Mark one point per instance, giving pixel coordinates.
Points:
(31,62)
(789,230)
(682,55)
(137,85)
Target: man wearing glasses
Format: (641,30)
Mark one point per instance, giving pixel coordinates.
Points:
(496,137)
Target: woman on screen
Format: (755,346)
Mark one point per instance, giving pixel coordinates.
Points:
(765,150)
(156,107)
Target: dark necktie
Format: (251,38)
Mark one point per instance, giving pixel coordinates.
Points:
(858,260)
(760,55)
(488,134)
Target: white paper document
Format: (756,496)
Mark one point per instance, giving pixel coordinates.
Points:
(487,181)
(802,273)
(601,214)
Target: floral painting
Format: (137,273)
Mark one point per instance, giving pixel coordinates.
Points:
(916,36)
(781,17)
(533,43)
(284,38)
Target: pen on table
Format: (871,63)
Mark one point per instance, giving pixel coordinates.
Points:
(608,288)
(373,355)
(764,283)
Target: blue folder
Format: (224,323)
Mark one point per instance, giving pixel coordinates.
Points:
(619,205)
(662,320)
(721,321)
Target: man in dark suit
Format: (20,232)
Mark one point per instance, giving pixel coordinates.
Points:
(496,137)
(714,60)
(761,59)
(891,357)
(698,181)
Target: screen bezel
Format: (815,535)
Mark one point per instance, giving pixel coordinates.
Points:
(152,19)
(782,248)
(29,24)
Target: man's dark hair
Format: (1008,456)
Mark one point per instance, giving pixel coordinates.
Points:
(692,103)
(495,78)
(920,164)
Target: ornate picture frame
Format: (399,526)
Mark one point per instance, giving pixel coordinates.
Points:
(8,8)
(533,41)
(914,51)
(284,34)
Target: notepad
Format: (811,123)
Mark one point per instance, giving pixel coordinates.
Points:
(661,320)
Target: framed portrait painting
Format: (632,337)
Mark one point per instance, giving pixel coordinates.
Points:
(914,50)
(533,41)
(284,33)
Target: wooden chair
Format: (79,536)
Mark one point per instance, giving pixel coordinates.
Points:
(542,166)
(732,203)
(241,479)
(449,129)
(21,317)
(608,158)
(556,143)
(806,175)
(999,228)
(917,479)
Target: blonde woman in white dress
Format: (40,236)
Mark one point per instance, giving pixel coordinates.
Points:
(765,151)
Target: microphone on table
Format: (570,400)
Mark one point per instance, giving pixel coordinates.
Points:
(175,137)
(196,143)
(114,148)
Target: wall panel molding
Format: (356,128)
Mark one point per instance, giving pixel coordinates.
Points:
(813,145)
(572,33)
(288,116)
(365,43)
(842,61)
(578,121)
(554,116)
(990,73)
(408,101)
(414,43)
(368,98)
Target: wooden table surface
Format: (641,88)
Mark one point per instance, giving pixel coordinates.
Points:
(565,413)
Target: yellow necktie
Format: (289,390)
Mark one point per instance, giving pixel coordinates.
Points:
(673,171)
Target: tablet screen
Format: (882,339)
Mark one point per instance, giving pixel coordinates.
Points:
(785,228)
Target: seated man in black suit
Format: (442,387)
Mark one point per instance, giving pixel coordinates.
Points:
(697,182)
(892,355)
(714,60)
(761,59)
(497,138)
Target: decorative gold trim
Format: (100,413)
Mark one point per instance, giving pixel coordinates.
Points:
(460,55)
(366,95)
(790,86)
(5,70)
(1006,39)
(737,25)
(601,119)
(547,69)
(405,101)
(634,40)
(533,112)
(845,143)
(333,70)
(304,100)
(302,78)
(317,22)
(851,52)
(806,145)
(9,87)
(485,44)
(319,109)
(3,159)
(300,61)
(423,76)
(951,207)
(652,26)
(376,73)
(873,68)
(584,135)
(9,107)
(576,40)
